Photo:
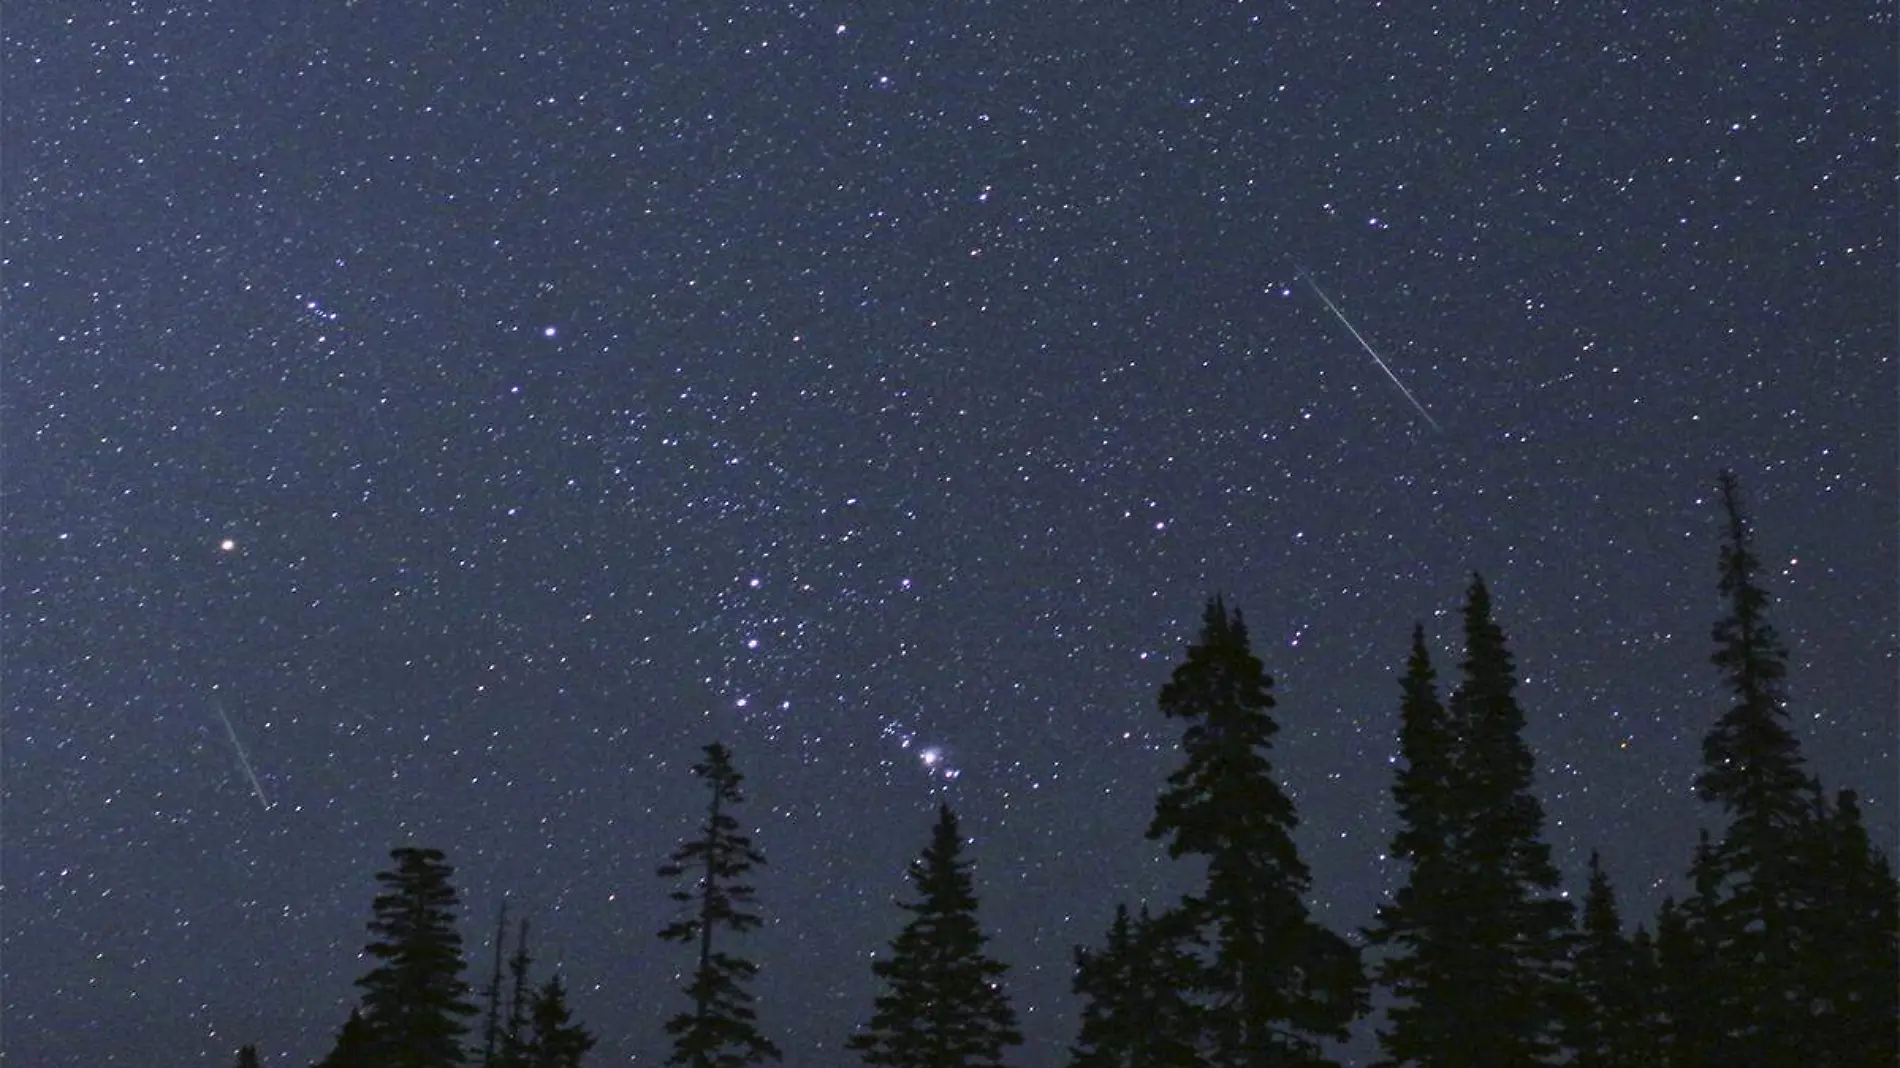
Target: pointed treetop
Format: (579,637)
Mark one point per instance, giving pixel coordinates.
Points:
(1752,763)
(1486,657)
(944,1004)
(1747,647)
(1600,915)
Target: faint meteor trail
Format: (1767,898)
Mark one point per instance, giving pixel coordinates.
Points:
(1364,344)
(244,760)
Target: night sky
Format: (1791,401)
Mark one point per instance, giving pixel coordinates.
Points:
(478,408)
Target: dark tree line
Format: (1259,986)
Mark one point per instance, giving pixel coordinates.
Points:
(1784,952)
(415,1003)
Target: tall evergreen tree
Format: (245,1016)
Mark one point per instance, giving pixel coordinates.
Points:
(1273,982)
(1747,915)
(1478,936)
(1752,763)
(1653,1017)
(247,1057)
(721,1029)
(1687,980)
(1422,929)
(514,1035)
(558,1041)
(1770,911)
(1519,924)
(492,1024)
(415,999)
(1611,1026)
(1854,971)
(943,1004)
(1135,1010)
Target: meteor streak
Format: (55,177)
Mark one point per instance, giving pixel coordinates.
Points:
(243,760)
(1364,344)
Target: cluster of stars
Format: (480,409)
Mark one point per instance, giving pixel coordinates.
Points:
(491,407)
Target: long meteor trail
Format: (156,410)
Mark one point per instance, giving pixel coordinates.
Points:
(1364,344)
(244,760)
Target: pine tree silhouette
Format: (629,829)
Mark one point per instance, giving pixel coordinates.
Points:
(1777,893)
(1478,936)
(492,1023)
(1424,926)
(513,1047)
(356,1046)
(1684,994)
(1272,982)
(558,1041)
(1135,1011)
(1611,1026)
(1520,923)
(943,1005)
(247,1057)
(1854,967)
(415,999)
(721,1029)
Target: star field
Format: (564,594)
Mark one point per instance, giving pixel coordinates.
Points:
(433,423)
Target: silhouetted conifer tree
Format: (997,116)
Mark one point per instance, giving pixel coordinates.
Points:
(414,999)
(492,1025)
(247,1057)
(943,1004)
(1684,990)
(1612,1026)
(356,1045)
(558,1041)
(1777,893)
(1478,935)
(1520,923)
(513,1047)
(1654,1015)
(1854,969)
(1135,1009)
(1272,982)
(1424,926)
(1752,914)
(721,1029)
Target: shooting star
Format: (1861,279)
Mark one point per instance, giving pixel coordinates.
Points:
(243,759)
(1364,344)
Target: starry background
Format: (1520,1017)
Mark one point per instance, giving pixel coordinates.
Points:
(482,407)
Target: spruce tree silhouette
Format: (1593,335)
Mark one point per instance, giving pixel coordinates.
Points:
(558,1041)
(943,1004)
(1611,1025)
(721,1029)
(1478,936)
(1777,893)
(1424,925)
(415,999)
(1272,983)
(1519,923)
(1854,970)
(1135,1010)
(356,1045)
(492,1021)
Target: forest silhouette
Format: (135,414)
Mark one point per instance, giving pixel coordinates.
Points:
(1783,953)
